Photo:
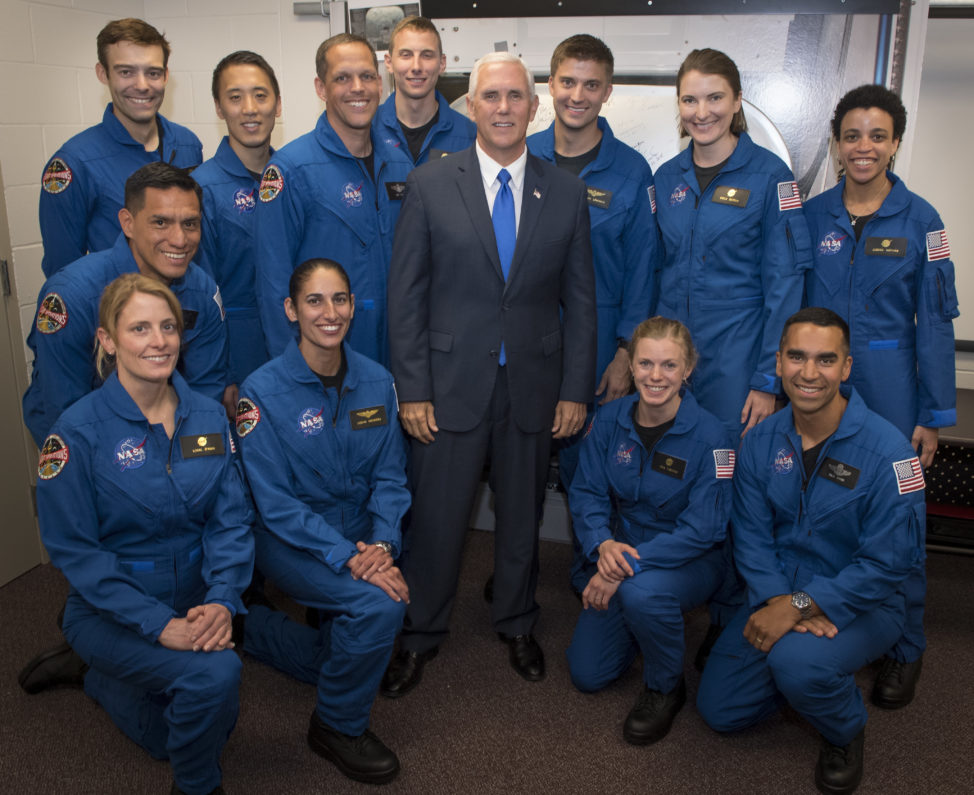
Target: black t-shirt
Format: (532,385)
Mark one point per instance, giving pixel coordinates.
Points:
(415,136)
(335,381)
(706,174)
(809,457)
(650,435)
(859,223)
(369,162)
(574,165)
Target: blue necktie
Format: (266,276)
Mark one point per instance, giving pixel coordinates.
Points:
(505,231)
(505,227)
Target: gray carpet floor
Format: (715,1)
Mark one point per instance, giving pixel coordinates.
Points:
(473,726)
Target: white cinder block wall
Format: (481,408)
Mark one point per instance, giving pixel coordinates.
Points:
(49,91)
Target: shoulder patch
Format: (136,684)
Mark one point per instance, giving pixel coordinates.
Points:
(54,457)
(937,245)
(271,184)
(909,475)
(651,191)
(724,463)
(52,314)
(789,198)
(57,176)
(248,415)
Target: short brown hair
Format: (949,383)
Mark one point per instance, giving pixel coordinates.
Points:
(113,300)
(321,64)
(420,25)
(137,31)
(583,47)
(714,62)
(661,328)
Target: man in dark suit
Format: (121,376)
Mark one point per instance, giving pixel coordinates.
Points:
(492,328)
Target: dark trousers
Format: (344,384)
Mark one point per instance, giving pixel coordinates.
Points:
(445,477)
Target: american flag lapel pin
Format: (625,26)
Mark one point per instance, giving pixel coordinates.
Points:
(537,193)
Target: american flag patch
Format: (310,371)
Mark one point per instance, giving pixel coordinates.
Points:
(937,245)
(724,463)
(909,475)
(788,196)
(651,190)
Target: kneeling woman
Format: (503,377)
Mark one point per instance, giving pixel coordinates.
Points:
(326,459)
(667,465)
(143,509)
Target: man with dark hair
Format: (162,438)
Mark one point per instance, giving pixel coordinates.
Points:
(334,192)
(160,234)
(247,98)
(492,336)
(416,116)
(81,187)
(622,207)
(828,522)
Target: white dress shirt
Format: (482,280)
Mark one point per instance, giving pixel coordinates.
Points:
(489,169)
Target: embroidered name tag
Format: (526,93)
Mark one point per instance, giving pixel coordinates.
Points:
(202,445)
(840,473)
(669,465)
(598,197)
(368,418)
(886,246)
(736,197)
(396,191)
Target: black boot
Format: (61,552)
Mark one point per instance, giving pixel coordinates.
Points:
(839,768)
(651,717)
(363,758)
(59,666)
(896,684)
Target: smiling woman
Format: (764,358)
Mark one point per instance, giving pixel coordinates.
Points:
(148,618)
(325,458)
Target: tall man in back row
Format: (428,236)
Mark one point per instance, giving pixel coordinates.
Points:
(417,117)
(622,205)
(83,185)
(334,193)
(828,524)
(492,335)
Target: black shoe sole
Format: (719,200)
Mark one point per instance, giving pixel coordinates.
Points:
(27,671)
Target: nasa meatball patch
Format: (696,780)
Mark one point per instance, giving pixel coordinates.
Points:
(311,421)
(54,457)
(57,176)
(130,453)
(271,184)
(52,314)
(248,415)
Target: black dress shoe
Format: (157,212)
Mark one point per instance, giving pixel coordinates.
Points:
(58,666)
(363,758)
(489,589)
(652,715)
(526,656)
(713,632)
(839,768)
(404,671)
(896,683)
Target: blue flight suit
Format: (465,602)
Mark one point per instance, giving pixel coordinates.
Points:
(317,200)
(145,527)
(63,335)
(326,471)
(227,253)
(83,185)
(895,289)
(673,504)
(734,259)
(849,538)
(898,300)
(452,132)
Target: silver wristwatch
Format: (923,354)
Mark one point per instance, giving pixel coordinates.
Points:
(385,546)
(802,602)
